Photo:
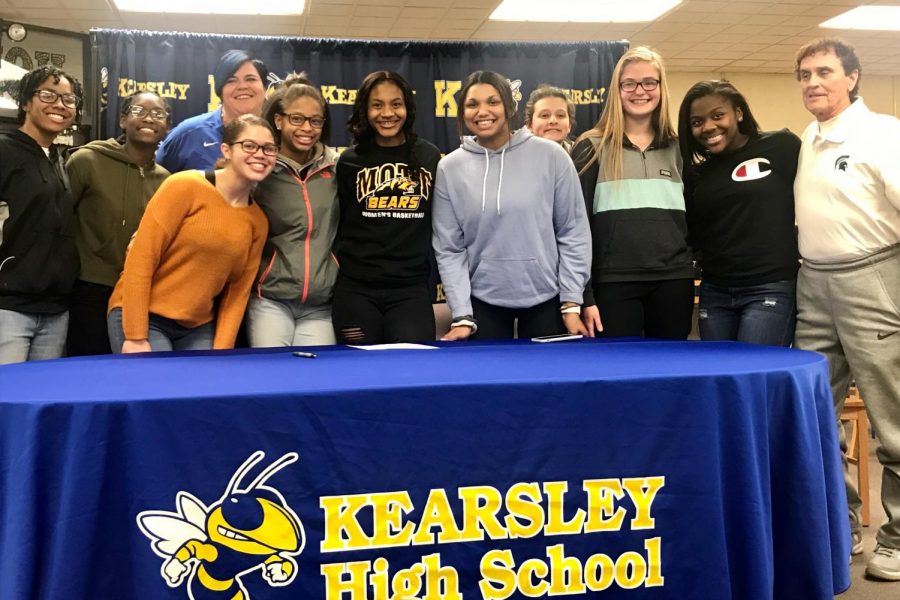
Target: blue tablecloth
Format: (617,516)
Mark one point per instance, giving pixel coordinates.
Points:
(648,470)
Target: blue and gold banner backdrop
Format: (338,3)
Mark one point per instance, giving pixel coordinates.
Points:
(179,66)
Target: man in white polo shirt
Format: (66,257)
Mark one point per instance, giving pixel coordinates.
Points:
(847,195)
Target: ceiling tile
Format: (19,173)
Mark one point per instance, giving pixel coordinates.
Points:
(723,18)
(34,3)
(782,9)
(372,22)
(367,10)
(415,12)
(330,9)
(444,33)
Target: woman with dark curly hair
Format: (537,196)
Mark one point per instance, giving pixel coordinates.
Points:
(384,184)
(38,258)
(739,196)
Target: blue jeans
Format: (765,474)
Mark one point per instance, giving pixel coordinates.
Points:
(31,336)
(756,314)
(274,323)
(163,334)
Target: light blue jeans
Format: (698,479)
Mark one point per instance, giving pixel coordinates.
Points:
(32,336)
(163,334)
(277,323)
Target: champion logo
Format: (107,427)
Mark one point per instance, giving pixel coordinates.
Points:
(751,169)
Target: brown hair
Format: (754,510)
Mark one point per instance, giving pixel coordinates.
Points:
(548,91)
(842,49)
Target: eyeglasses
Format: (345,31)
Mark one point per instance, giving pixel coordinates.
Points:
(298,120)
(629,85)
(157,114)
(250,147)
(49,97)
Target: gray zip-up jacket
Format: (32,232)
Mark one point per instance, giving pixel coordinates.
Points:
(510,226)
(301,204)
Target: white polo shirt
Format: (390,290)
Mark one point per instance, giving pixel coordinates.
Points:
(847,190)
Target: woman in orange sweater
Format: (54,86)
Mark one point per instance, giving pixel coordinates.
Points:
(200,240)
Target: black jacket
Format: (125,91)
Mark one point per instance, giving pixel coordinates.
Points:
(38,258)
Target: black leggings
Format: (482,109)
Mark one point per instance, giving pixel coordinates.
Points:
(87,319)
(367,314)
(655,309)
(497,321)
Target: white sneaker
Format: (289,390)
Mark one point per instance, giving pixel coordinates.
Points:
(856,544)
(885,564)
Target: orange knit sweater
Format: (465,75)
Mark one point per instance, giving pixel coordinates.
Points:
(190,248)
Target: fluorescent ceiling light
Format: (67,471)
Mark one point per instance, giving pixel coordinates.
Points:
(583,11)
(216,7)
(884,18)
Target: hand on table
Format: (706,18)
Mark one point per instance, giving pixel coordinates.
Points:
(590,316)
(573,324)
(132,346)
(460,332)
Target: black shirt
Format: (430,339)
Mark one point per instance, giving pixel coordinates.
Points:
(740,212)
(384,235)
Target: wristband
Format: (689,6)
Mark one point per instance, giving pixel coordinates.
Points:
(465,321)
(570,308)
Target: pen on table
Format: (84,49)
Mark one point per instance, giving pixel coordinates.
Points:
(304,354)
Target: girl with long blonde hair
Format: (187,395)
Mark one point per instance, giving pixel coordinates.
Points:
(630,170)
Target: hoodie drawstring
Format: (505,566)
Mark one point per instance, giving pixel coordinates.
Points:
(500,183)
(487,169)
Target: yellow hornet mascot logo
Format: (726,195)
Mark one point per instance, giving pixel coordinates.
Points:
(246,529)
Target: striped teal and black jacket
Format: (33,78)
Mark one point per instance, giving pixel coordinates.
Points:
(638,224)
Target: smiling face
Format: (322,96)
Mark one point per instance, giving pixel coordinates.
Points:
(251,166)
(386,111)
(45,121)
(145,130)
(298,140)
(824,84)
(551,119)
(714,124)
(484,115)
(639,103)
(243,93)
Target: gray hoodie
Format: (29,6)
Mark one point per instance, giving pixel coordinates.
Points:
(510,226)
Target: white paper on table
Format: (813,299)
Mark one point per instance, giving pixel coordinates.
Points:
(400,346)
